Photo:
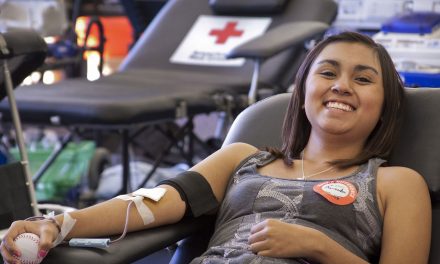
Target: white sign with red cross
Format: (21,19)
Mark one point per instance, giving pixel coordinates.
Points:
(212,37)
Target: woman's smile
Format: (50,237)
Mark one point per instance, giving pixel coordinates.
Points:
(339,106)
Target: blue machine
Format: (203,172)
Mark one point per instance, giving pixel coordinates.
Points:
(413,41)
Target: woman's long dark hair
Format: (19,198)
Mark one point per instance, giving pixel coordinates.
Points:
(296,129)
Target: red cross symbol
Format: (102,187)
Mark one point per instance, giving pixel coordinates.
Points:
(223,34)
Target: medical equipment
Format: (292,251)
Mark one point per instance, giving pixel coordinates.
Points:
(413,41)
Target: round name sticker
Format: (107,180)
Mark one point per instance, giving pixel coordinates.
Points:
(337,192)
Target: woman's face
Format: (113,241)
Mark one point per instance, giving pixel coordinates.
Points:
(344,91)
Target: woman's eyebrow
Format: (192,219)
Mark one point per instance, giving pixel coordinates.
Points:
(357,68)
(365,67)
(332,62)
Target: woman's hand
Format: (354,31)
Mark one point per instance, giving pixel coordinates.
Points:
(274,238)
(45,229)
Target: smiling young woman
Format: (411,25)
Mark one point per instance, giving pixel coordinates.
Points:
(325,196)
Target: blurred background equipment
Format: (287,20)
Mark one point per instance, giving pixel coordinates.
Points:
(413,41)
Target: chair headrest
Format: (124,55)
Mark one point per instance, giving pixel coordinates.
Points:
(419,140)
(247,7)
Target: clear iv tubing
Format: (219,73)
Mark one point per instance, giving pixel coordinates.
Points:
(92,242)
(101,242)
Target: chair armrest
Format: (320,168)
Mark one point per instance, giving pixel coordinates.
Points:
(24,51)
(277,40)
(21,42)
(134,246)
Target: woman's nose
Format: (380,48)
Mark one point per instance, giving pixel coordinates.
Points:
(341,87)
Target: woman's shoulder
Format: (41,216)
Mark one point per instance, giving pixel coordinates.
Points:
(401,174)
(239,151)
(241,146)
(243,154)
(249,156)
(398,181)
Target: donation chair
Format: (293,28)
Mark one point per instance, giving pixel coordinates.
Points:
(260,125)
(178,69)
(21,52)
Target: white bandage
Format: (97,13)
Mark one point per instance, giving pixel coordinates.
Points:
(154,194)
(68,223)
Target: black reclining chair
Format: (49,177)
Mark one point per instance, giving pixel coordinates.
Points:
(21,53)
(150,89)
(260,125)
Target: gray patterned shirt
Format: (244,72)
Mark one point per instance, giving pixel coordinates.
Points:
(252,198)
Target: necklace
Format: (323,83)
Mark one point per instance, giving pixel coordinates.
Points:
(310,175)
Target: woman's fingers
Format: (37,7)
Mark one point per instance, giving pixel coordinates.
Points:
(47,237)
(258,246)
(46,231)
(256,237)
(8,253)
(8,244)
(258,227)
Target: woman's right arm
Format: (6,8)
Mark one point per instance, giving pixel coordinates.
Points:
(108,218)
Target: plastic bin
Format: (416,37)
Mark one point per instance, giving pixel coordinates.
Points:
(65,174)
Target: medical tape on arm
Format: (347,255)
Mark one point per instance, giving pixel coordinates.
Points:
(66,227)
(138,196)
(63,230)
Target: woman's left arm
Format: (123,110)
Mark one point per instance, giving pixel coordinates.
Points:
(406,204)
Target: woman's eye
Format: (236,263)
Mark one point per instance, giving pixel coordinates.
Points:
(363,80)
(327,74)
